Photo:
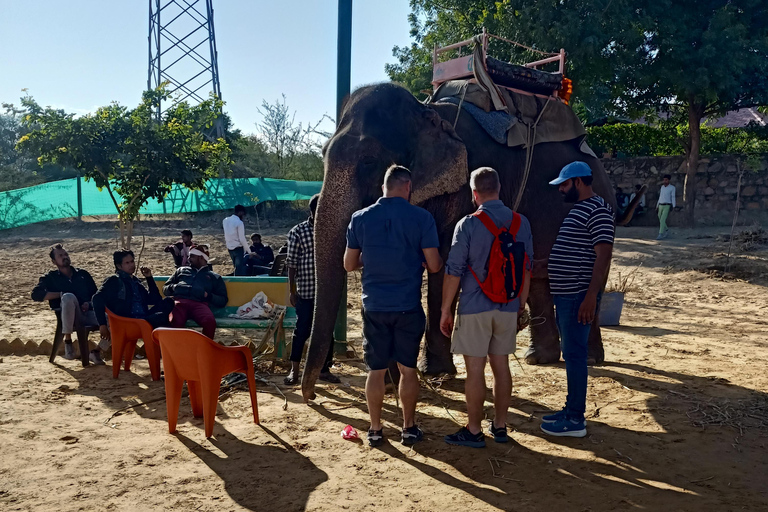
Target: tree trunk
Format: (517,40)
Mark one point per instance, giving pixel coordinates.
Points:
(122,231)
(129,235)
(695,113)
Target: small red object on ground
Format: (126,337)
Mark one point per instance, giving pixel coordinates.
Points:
(349,432)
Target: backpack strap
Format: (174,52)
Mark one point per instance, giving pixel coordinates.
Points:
(487,222)
(514,226)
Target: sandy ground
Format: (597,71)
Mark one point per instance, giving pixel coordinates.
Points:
(678,415)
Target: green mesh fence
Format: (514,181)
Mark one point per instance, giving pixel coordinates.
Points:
(59,199)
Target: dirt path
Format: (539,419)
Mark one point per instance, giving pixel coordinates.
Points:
(678,416)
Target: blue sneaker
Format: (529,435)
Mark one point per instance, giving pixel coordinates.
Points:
(466,438)
(565,428)
(551,418)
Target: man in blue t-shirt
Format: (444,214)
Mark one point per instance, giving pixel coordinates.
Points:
(392,241)
(578,267)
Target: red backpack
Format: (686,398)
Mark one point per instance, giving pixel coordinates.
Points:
(506,262)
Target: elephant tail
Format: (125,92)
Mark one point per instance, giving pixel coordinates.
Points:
(630,211)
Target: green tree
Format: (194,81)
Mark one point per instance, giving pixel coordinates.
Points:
(698,59)
(294,147)
(18,170)
(681,59)
(594,48)
(130,153)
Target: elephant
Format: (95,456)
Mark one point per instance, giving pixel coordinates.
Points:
(384,124)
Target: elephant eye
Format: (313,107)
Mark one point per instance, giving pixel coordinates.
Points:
(368,162)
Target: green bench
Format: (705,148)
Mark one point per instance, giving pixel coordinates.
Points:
(241,290)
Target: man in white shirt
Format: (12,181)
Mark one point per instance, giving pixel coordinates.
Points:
(665,204)
(234,237)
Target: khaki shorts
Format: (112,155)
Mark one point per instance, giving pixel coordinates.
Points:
(491,332)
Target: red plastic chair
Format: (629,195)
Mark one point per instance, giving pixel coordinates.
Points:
(195,358)
(125,332)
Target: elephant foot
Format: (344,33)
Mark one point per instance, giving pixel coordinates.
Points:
(593,360)
(533,356)
(434,367)
(308,395)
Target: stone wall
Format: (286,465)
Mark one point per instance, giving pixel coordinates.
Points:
(716,181)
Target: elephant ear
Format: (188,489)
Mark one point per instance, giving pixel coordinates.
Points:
(438,158)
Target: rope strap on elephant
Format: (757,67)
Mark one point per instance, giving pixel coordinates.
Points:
(529,148)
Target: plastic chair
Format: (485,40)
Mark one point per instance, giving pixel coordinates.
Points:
(82,339)
(195,358)
(125,332)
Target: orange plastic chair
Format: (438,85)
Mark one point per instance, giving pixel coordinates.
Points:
(125,332)
(195,358)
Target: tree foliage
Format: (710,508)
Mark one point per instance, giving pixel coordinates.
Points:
(281,148)
(129,152)
(684,58)
(634,139)
(18,170)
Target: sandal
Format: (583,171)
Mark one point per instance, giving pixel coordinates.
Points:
(291,380)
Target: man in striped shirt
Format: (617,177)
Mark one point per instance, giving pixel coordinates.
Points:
(578,267)
(301,283)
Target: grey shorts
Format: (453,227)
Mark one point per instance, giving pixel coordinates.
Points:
(491,332)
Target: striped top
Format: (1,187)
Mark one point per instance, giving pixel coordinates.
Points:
(590,222)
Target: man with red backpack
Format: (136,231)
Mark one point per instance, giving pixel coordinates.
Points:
(490,259)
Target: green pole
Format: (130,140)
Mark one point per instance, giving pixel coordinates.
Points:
(343,55)
(79,198)
(343,85)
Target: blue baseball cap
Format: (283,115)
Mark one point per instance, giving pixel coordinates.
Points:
(572,170)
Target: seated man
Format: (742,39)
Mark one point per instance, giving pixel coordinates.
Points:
(70,289)
(622,200)
(195,290)
(180,250)
(640,207)
(258,262)
(124,295)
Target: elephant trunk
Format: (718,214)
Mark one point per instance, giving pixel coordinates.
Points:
(338,201)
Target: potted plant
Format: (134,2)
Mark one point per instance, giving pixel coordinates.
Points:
(612,301)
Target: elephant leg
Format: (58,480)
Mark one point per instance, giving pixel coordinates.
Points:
(436,358)
(545,340)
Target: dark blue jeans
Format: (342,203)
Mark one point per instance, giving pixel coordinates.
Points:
(305,310)
(238,261)
(574,343)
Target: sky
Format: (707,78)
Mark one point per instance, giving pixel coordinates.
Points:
(79,55)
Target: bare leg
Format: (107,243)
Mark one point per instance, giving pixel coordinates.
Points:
(374,395)
(474,390)
(502,388)
(409,393)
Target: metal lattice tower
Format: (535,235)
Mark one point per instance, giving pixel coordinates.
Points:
(182,49)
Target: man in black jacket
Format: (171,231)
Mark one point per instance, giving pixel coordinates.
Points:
(70,289)
(196,289)
(258,262)
(180,250)
(124,295)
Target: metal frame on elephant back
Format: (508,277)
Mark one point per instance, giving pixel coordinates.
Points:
(526,79)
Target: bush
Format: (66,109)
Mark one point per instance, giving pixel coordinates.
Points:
(632,139)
